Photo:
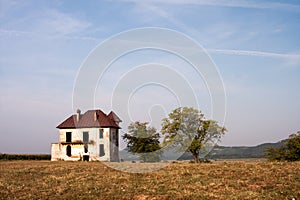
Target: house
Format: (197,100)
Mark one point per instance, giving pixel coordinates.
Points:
(89,136)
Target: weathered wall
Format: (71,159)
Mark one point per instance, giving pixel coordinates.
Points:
(55,152)
(77,148)
(114,144)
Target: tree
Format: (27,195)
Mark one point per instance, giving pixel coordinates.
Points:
(143,140)
(289,151)
(187,129)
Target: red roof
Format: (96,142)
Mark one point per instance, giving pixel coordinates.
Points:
(114,117)
(91,118)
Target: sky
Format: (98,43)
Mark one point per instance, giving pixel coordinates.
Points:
(255,46)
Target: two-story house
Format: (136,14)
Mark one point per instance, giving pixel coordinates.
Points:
(89,136)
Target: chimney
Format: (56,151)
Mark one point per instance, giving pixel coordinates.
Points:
(78,114)
(95,116)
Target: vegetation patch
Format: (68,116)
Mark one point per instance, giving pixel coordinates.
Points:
(25,156)
(181,180)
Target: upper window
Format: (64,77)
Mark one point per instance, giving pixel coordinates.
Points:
(68,136)
(101,133)
(85,137)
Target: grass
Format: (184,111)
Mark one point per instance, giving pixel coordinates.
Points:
(217,180)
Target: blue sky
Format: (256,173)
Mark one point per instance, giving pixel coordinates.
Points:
(254,44)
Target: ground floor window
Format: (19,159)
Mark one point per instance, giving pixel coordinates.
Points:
(101,150)
(86,141)
(69,153)
(86,148)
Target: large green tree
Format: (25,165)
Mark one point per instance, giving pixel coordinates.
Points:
(188,130)
(143,140)
(289,151)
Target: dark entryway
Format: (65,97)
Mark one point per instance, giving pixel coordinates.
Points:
(86,157)
(69,153)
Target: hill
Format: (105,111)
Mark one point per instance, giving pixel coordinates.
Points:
(222,152)
(218,152)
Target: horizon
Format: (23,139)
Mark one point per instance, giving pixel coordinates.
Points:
(254,45)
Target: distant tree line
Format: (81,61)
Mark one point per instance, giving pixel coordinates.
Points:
(25,156)
(288,151)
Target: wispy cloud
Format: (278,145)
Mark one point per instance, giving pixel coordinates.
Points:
(61,23)
(16,33)
(289,59)
(254,53)
(17,21)
(7,5)
(226,3)
(5,32)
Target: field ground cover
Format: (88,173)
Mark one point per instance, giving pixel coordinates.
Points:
(182,180)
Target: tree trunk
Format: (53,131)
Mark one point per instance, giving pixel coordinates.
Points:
(196,160)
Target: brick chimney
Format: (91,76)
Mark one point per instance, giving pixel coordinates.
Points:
(95,116)
(78,114)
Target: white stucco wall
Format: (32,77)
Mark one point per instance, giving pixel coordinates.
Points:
(58,151)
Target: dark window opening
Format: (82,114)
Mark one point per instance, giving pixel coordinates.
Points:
(86,141)
(101,133)
(86,157)
(101,151)
(117,138)
(85,137)
(69,153)
(86,148)
(68,136)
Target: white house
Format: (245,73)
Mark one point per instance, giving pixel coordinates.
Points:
(89,136)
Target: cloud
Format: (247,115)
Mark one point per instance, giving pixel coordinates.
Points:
(16,33)
(226,3)
(290,59)
(21,20)
(254,53)
(5,32)
(7,5)
(60,23)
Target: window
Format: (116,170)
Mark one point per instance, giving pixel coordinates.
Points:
(86,148)
(101,133)
(117,138)
(68,136)
(69,153)
(85,137)
(86,141)
(101,150)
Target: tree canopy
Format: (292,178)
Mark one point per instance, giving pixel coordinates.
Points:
(289,151)
(143,140)
(187,129)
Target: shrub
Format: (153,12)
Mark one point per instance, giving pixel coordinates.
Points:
(289,151)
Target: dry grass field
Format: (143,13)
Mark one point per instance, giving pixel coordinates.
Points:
(94,180)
